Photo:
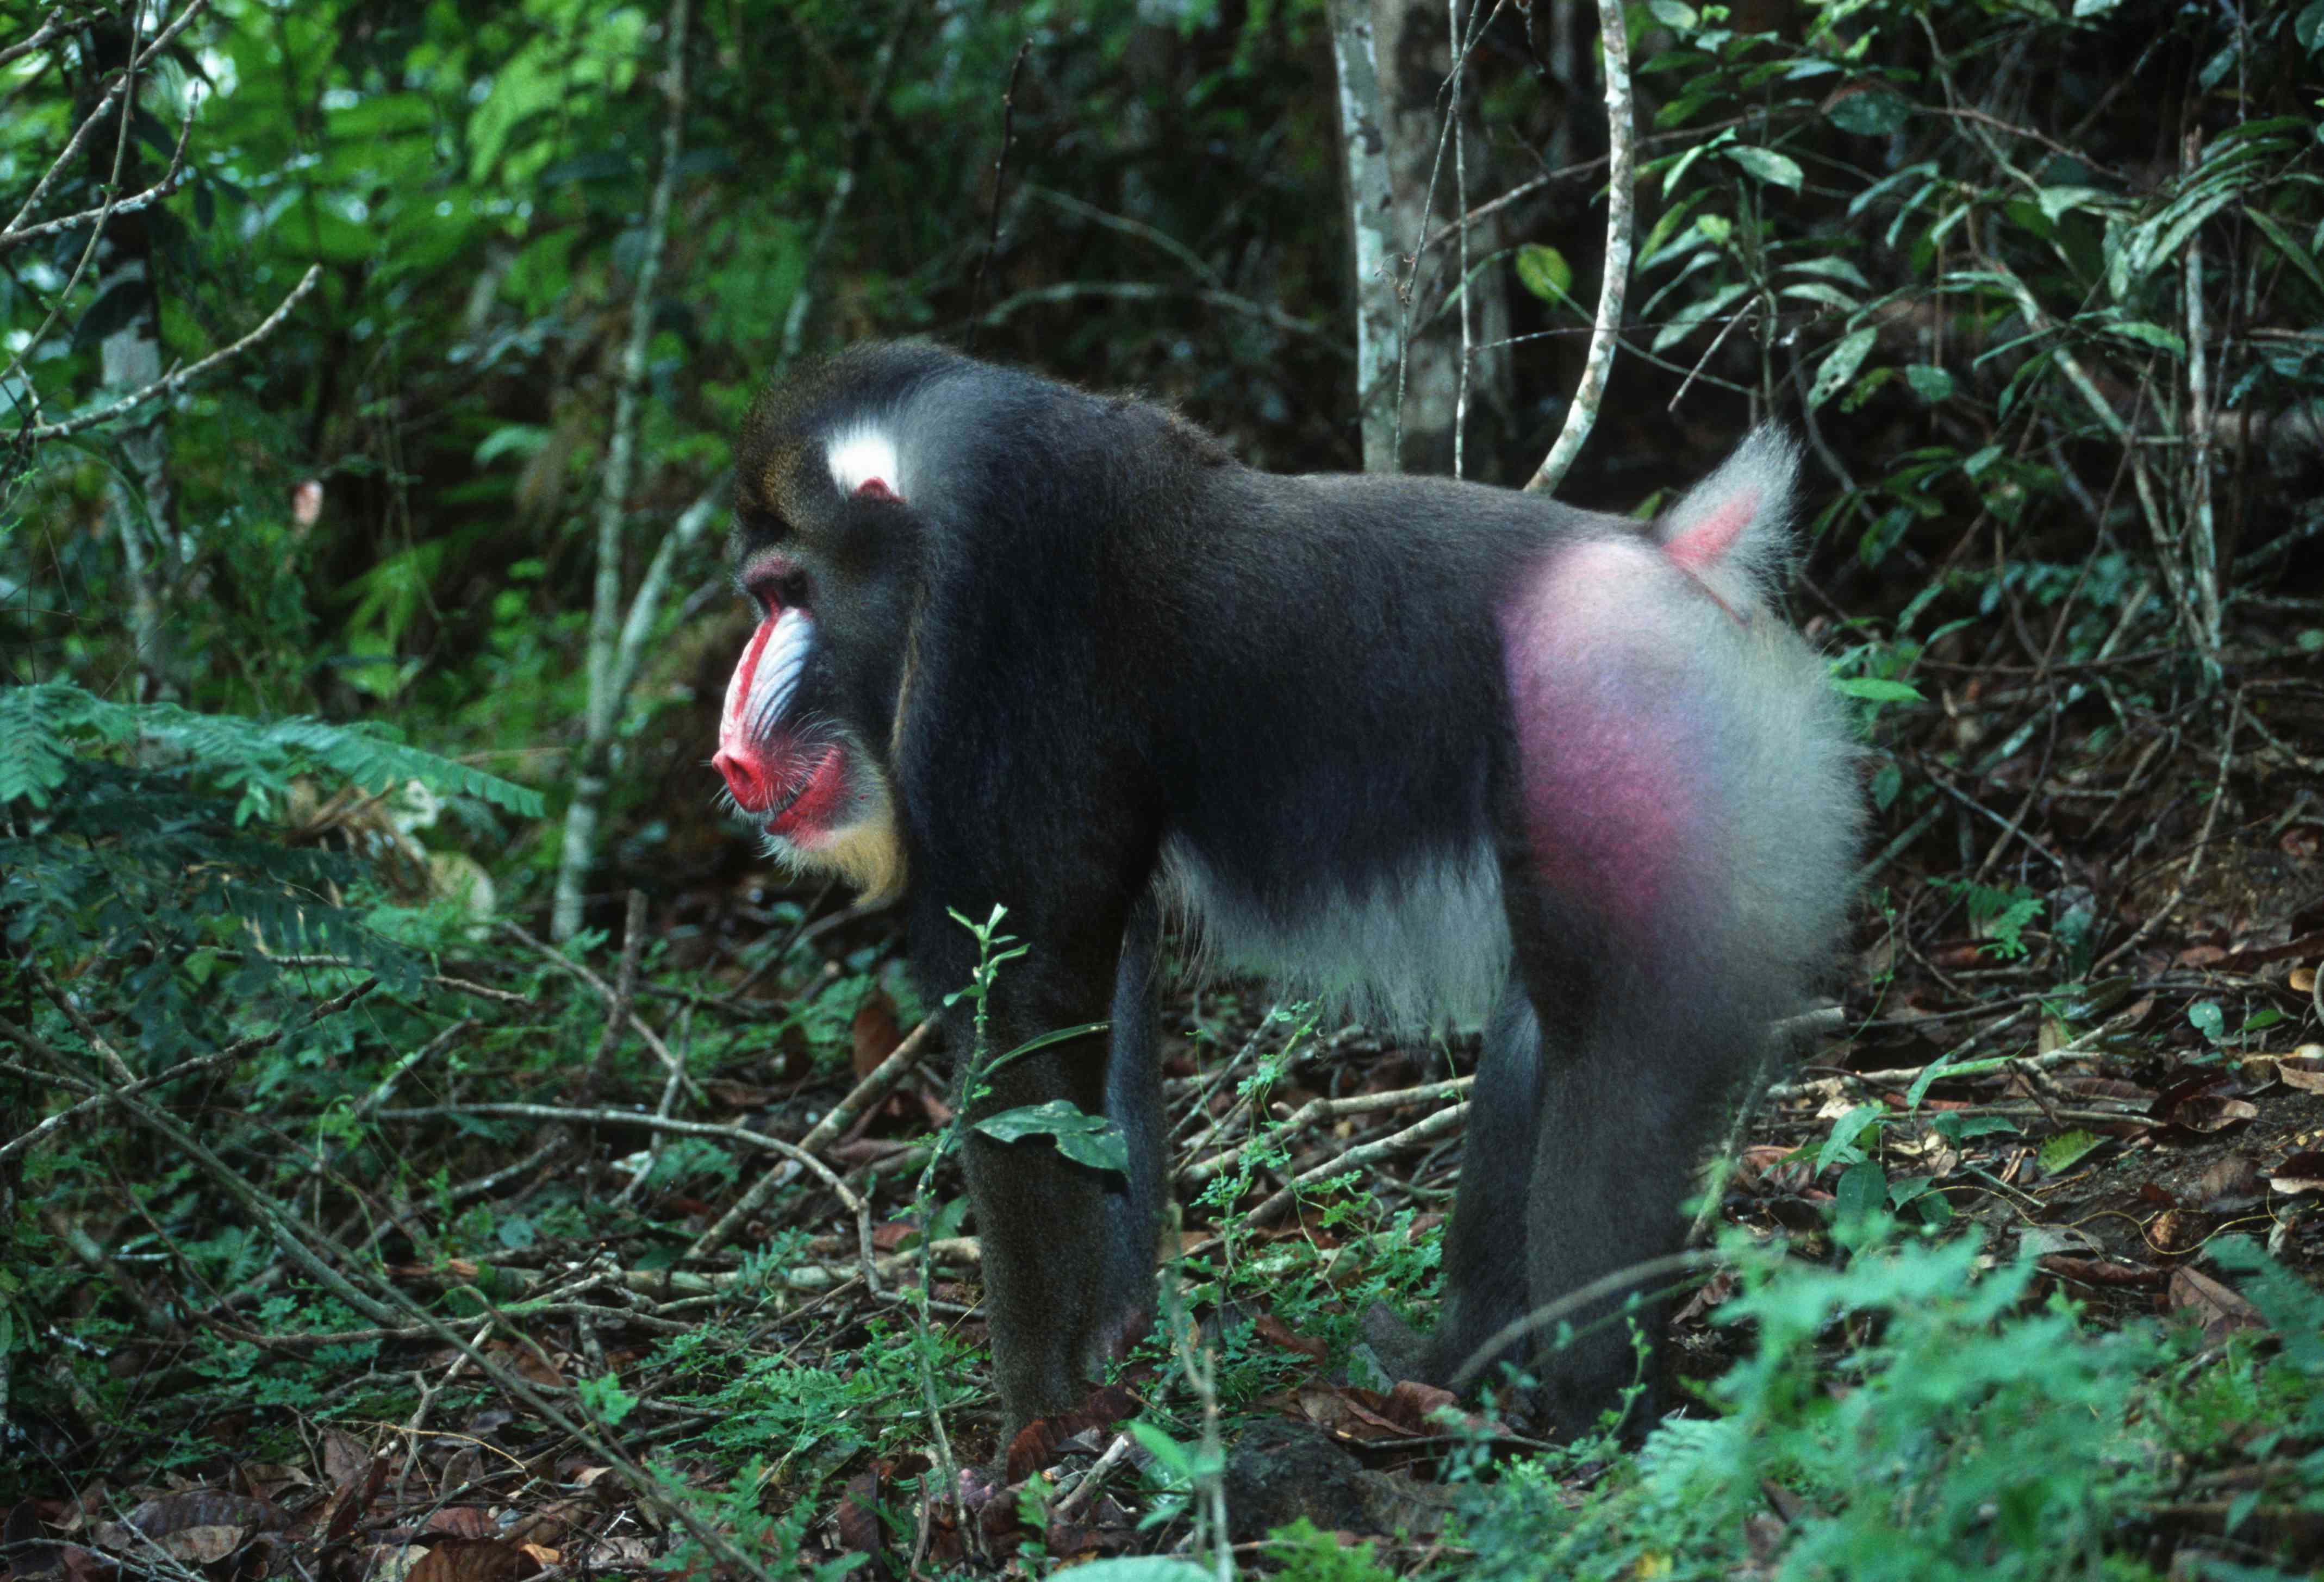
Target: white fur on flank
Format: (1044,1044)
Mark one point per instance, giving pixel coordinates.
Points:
(859,456)
(1421,950)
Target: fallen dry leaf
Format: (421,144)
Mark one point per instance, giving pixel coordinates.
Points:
(461,1559)
(2100,1271)
(345,1459)
(1417,1404)
(2178,1231)
(2302,1172)
(1039,1443)
(1276,1332)
(463,1521)
(2221,1310)
(2229,1182)
(2302,1069)
(2208,1112)
(875,1033)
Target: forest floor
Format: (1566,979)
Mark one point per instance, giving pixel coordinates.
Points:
(2080,1031)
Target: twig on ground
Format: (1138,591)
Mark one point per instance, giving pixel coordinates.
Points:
(1442,1124)
(1204,1171)
(2156,918)
(864,1094)
(605,991)
(625,989)
(738,1135)
(233,1052)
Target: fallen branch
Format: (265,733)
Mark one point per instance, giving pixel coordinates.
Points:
(740,1136)
(607,992)
(1203,1172)
(864,1094)
(1443,1124)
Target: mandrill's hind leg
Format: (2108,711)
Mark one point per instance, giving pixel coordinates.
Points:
(1592,1103)
(1133,1103)
(1485,1282)
(1624,1119)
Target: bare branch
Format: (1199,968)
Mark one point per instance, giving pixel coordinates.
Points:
(1584,413)
(883,68)
(1444,1123)
(1155,291)
(121,85)
(170,383)
(168,184)
(41,35)
(578,849)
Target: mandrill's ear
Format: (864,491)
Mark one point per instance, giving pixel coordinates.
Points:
(1733,530)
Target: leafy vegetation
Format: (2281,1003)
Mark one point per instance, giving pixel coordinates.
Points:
(356,1223)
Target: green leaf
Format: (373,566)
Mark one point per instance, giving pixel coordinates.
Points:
(2067,1149)
(1862,1189)
(1142,1568)
(1887,780)
(1766,164)
(1085,1139)
(1955,1128)
(2054,201)
(1685,162)
(1930,382)
(1543,272)
(1840,365)
(1043,1042)
(1675,15)
(2147,334)
(1873,689)
(2308,27)
(2208,1019)
(512,438)
(1817,291)
(605,1400)
(1838,269)
(1905,1189)
(2299,257)
(1873,110)
(1694,316)
(1844,1133)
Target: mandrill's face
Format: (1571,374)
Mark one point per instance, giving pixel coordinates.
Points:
(824,549)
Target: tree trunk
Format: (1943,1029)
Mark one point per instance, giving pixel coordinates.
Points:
(137,499)
(1363,141)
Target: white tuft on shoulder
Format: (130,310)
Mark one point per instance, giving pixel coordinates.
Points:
(862,456)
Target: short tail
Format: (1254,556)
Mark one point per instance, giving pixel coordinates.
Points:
(1733,530)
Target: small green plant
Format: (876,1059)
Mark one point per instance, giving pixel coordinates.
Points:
(1999,914)
(1928,1421)
(1303,1552)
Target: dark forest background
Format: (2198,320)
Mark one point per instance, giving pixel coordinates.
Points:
(432,1141)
